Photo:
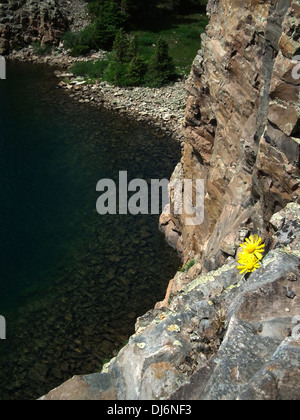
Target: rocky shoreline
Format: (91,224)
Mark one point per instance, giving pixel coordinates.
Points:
(162,107)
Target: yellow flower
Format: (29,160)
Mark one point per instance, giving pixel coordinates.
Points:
(253,246)
(248,263)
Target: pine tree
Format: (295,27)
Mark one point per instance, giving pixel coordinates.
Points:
(133,49)
(108,23)
(121,47)
(136,71)
(161,69)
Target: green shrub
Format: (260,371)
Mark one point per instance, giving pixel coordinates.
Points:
(89,36)
(99,69)
(79,50)
(187,266)
(82,42)
(116,74)
(95,7)
(82,68)
(90,69)
(71,39)
(41,50)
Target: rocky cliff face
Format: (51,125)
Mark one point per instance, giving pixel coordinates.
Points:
(24,22)
(241,126)
(220,338)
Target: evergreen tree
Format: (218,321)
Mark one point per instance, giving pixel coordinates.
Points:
(133,49)
(109,22)
(136,71)
(121,47)
(161,70)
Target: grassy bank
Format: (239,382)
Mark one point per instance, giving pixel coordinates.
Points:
(183,36)
(181,33)
(151,49)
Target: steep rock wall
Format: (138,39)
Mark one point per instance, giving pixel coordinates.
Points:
(241,127)
(24,22)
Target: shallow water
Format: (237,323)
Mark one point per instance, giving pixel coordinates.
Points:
(72,282)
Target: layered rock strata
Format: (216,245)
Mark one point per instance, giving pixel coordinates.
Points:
(242,132)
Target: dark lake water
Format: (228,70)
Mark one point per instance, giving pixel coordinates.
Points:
(72,282)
